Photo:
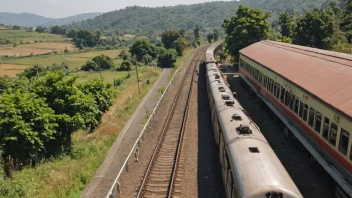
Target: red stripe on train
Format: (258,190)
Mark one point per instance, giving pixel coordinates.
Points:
(312,133)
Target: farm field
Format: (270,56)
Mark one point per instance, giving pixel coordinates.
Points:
(74,61)
(24,36)
(11,70)
(35,48)
(31,43)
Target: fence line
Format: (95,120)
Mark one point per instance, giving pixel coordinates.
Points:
(135,148)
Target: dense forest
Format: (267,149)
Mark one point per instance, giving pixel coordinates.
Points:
(208,16)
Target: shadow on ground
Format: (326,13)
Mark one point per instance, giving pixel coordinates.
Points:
(209,175)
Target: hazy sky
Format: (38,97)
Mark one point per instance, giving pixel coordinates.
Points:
(63,8)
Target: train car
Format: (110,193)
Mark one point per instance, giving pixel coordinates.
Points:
(249,166)
(310,90)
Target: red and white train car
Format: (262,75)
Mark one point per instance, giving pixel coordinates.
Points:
(310,90)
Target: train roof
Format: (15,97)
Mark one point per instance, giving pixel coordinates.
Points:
(324,74)
(247,151)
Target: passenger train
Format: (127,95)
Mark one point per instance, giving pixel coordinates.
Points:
(310,88)
(249,166)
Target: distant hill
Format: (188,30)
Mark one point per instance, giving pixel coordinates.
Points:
(135,20)
(32,20)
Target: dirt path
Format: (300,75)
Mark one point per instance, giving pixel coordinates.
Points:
(120,149)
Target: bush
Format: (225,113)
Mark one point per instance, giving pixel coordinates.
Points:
(125,66)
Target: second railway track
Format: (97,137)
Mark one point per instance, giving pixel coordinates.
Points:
(160,177)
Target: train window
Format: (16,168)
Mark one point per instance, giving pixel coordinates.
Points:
(272,87)
(301,109)
(317,122)
(287,98)
(277,90)
(296,105)
(311,117)
(292,101)
(282,94)
(305,112)
(344,139)
(333,134)
(326,128)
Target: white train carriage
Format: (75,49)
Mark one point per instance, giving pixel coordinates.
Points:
(250,167)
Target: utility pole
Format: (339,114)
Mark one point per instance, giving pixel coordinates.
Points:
(135,63)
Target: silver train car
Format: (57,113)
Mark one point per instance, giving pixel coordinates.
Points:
(249,166)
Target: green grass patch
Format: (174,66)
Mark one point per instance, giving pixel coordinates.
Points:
(75,60)
(23,35)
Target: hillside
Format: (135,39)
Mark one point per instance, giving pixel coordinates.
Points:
(210,15)
(32,20)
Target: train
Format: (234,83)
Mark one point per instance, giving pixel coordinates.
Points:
(249,166)
(310,89)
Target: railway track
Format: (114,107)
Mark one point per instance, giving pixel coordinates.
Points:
(160,177)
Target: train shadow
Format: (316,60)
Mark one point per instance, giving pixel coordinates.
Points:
(209,175)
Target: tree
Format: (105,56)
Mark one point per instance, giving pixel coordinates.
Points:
(73,108)
(147,59)
(210,37)
(72,34)
(141,48)
(196,32)
(167,58)
(105,62)
(169,37)
(98,35)
(58,30)
(287,25)
(314,29)
(90,66)
(85,38)
(124,55)
(34,71)
(216,34)
(102,93)
(246,27)
(40,29)
(27,124)
(180,45)
(16,27)
(125,66)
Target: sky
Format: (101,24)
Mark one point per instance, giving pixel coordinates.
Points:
(64,8)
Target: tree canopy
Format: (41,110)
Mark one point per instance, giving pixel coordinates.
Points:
(246,27)
(314,29)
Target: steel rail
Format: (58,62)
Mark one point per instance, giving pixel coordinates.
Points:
(180,141)
(161,139)
(110,192)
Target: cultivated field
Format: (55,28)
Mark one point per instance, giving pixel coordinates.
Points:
(24,36)
(23,43)
(74,61)
(11,70)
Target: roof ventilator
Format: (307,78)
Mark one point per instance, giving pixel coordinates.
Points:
(225,96)
(221,89)
(253,149)
(244,130)
(236,117)
(229,103)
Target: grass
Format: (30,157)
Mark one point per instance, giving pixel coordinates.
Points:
(67,176)
(108,76)
(74,60)
(22,35)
